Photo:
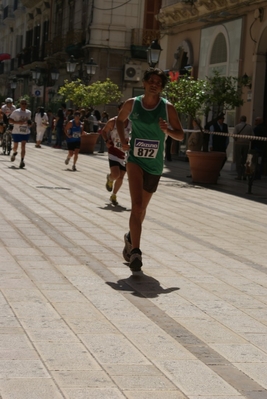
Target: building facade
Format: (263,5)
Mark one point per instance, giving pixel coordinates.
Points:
(43,35)
(227,35)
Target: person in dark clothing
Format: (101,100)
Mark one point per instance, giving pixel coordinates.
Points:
(260,130)
(59,128)
(219,143)
(168,143)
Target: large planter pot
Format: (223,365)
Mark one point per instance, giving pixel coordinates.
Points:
(88,142)
(205,166)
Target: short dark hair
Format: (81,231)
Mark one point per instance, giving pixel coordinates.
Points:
(77,113)
(156,71)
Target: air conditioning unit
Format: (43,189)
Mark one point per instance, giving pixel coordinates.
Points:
(132,72)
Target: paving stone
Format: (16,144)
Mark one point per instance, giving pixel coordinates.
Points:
(192,327)
(82,378)
(29,388)
(63,356)
(113,348)
(90,393)
(22,369)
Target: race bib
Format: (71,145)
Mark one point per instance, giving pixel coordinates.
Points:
(146,148)
(76,135)
(117,144)
(23,129)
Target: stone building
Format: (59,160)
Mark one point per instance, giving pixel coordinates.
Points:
(41,36)
(227,35)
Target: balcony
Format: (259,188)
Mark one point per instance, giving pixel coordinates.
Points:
(140,41)
(28,3)
(18,8)
(57,45)
(14,64)
(75,40)
(8,15)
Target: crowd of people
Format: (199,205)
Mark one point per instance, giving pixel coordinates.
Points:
(136,143)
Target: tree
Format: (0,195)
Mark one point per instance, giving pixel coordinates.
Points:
(188,95)
(209,97)
(97,93)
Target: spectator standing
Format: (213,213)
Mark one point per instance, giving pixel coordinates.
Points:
(217,142)
(41,121)
(102,122)
(260,130)
(242,146)
(21,120)
(49,128)
(59,128)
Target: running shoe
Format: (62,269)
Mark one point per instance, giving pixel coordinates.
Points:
(109,184)
(22,164)
(67,160)
(13,156)
(126,253)
(113,199)
(136,260)
(74,168)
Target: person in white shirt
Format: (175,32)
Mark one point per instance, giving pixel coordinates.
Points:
(41,120)
(8,108)
(21,121)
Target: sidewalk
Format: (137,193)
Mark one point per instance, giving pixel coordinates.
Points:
(75,324)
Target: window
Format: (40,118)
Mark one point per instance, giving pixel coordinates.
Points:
(219,50)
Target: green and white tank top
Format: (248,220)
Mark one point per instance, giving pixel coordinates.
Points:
(147,139)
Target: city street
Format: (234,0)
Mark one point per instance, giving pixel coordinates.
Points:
(74,322)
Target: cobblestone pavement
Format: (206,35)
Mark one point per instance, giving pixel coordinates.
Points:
(75,324)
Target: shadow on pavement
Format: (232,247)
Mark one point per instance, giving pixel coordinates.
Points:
(114,208)
(179,170)
(142,286)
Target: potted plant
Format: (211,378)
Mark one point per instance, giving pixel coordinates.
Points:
(97,93)
(209,97)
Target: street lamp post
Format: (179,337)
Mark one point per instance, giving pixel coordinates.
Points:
(153,53)
(43,74)
(91,67)
(13,86)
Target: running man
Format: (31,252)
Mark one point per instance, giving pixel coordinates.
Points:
(153,119)
(74,131)
(21,120)
(116,156)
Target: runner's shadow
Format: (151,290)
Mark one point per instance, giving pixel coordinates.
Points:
(142,286)
(114,208)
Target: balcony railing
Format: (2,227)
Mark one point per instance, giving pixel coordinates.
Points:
(8,13)
(75,37)
(144,37)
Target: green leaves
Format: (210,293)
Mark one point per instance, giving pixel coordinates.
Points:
(210,96)
(97,93)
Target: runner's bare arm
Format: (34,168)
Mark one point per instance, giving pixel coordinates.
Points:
(107,129)
(123,115)
(176,131)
